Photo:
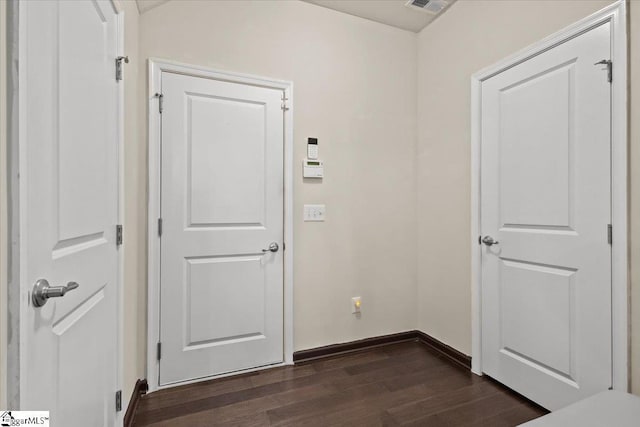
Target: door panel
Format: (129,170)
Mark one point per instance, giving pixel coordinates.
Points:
(532,193)
(219,288)
(227,182)
(69,209)
(221,204)
(545,184)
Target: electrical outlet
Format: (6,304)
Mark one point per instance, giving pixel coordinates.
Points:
(356,304)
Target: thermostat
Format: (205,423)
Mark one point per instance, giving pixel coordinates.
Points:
(312,168)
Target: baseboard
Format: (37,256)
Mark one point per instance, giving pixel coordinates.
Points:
(352,346)
(444,349)
(368,343)
(139,390)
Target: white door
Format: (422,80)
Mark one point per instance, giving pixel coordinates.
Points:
(69,209)
(221,295)
(545,197)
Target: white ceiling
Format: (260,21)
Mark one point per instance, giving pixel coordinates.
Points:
(390,12)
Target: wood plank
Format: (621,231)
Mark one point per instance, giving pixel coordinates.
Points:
(398,384)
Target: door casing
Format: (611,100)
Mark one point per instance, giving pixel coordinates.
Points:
(17,294)
(615,14)
(156,68)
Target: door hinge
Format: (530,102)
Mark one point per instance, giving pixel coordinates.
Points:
(118,400)
(609,65)
(610,234)
(159,350)
(159,226)
(119,61)
(160,102)
(284,105)
(118,235)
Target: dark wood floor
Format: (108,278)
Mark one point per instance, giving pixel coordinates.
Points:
(399,384)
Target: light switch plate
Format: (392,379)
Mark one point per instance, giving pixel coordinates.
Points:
(314,212)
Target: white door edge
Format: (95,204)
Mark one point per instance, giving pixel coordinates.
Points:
(615,14)
(156,68)
(17,294)
(125,394)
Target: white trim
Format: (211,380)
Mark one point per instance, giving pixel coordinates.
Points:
(156,68)
(121,202)
(615,14)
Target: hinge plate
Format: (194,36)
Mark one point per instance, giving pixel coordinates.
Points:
(160,102)
(160,227)
(118,400)
(609,234)
(284,102)
(118,235)
(119,61)
(159,350)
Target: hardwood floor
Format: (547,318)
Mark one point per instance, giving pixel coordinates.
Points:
(399,384)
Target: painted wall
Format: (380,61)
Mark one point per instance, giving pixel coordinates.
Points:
(354,89)
(468,37)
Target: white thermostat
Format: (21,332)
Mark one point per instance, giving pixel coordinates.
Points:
(312,168)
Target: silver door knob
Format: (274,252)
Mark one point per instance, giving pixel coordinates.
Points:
(273,247)
(42,292)
(488,240)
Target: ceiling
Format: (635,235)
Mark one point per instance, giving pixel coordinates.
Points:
(390,12)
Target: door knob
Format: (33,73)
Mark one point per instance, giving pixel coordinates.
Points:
(42,291)
(273,247)
(488,240)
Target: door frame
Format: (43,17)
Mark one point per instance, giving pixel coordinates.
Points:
(615,14)
(17,292)
(156,68)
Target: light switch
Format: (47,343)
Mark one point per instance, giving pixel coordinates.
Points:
(314,212)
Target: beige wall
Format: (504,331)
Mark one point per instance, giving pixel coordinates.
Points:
(467,38)
(354,89)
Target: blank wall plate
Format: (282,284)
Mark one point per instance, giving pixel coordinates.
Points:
(314,212)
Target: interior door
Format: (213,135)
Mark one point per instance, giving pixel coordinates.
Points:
(69,210)
(221,298)
(545,204)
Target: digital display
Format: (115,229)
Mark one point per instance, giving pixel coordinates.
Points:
(313,163)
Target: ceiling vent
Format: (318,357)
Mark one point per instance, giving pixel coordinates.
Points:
(430,6)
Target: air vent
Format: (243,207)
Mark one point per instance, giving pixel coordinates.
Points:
(430,6)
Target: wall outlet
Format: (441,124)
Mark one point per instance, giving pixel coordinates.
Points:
(356,304)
